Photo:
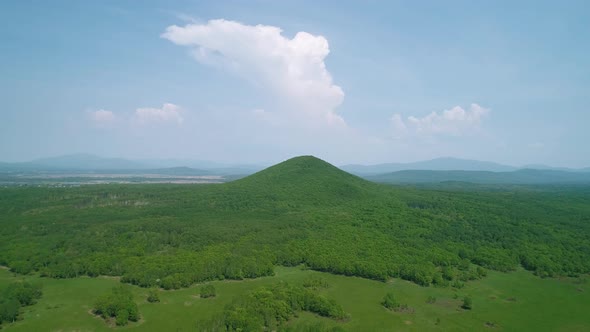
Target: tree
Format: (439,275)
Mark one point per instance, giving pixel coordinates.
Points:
(207,291)
(153,296)
(467,303)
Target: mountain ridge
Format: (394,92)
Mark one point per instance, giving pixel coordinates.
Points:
(522,176)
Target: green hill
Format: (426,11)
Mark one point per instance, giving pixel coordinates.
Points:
(305,179)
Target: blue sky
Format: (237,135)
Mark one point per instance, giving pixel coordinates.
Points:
(261,81)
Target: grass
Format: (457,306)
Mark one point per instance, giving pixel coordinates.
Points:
(516,301)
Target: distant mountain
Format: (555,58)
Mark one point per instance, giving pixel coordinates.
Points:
(84,161)
(438,164)
(91,163)
(547,167)
(204,165)
(524,176)
(181,171)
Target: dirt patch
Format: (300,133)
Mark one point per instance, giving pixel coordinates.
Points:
(408,322)
(511,299)
(188,303)
(118,278)
(447,303)
(580,289)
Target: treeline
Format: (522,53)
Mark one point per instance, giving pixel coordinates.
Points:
(269,308)
(15,296)
(173,236)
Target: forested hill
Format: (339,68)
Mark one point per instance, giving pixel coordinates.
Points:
(301,211)
(305,178)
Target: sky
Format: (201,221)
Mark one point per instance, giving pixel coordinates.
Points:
(261,81)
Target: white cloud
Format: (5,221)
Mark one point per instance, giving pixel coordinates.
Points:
(292,69)
(455,122)
(168,113)
(102,116)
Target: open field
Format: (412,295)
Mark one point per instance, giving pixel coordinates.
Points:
(516,301)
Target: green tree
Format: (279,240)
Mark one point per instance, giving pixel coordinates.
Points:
(207,291)
(153,296)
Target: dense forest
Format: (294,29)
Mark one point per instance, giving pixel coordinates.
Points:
(302,211)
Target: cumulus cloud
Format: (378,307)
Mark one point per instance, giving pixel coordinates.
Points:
(167,113)
(293,69)
(455,122)
(102,116)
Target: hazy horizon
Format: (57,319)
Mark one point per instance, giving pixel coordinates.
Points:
(350,83)
(181,162)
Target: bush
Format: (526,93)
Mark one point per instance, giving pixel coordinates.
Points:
(153,296)
(389,302)
(315,283)
(207,291)
(122,317)
(467,303)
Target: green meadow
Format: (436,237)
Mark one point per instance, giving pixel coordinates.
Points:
(515,301)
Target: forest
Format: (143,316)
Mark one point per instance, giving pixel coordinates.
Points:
(301,212)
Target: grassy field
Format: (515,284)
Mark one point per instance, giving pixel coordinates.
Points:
(516,301)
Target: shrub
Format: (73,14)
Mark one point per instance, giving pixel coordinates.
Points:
(153,296)
(207,291)
(389,302)
(122,317)
(467,303)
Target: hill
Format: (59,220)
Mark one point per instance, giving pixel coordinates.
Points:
(305,178)
(438,164)
(524,176)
